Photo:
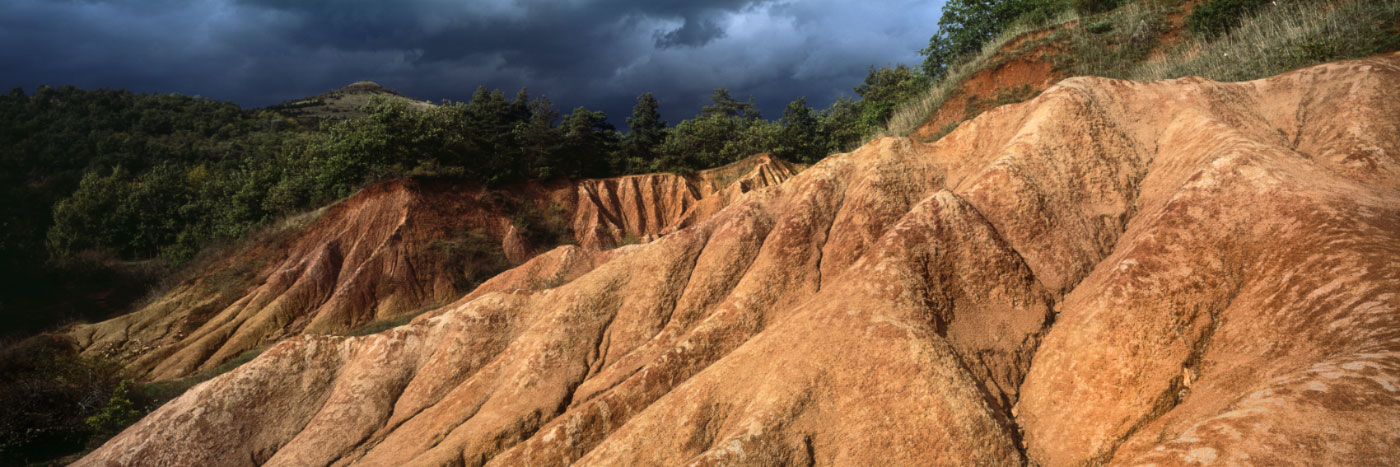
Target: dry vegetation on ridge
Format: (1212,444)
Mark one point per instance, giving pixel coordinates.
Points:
(1146,41)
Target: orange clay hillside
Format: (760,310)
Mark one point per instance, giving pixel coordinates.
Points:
(389,251)
(1020,64)
(1116,272)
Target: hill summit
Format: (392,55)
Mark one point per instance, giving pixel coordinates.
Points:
(343,103)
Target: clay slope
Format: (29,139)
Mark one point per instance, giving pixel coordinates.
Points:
(382,254)
(1118,272)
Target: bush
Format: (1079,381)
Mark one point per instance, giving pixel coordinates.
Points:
(472,256)
(1282,37)
(119,413)
(1085,7)
(542,228)
(49,392)
(966,25)
(1215,17)
(885,88)
(151,395)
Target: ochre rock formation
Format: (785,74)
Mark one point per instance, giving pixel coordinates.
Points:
(376,256)
(1113,272)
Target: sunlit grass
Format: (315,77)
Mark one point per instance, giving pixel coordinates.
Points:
(1282,36)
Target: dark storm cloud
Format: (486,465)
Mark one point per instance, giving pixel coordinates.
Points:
(598,54)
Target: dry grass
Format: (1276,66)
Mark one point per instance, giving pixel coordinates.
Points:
(911,115)
(1285,35)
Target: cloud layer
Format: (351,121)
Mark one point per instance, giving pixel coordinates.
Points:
(598,53)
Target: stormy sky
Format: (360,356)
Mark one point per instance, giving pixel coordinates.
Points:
(595,53)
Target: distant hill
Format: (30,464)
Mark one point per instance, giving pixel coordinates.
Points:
(343,103)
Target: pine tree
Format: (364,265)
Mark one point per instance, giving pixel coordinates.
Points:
(726,105)
(540,139)
(588,141)
(647,132)
(800,139)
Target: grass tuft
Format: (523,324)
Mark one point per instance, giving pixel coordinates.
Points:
(1126,43)
(1282,36)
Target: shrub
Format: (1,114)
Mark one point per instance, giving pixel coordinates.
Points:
(1283,37)
(151,395)
(119,413)
(967,25)
(472,256)
(390,323)
(1100,27)
(1086,7)
(48,392)
(1215,17)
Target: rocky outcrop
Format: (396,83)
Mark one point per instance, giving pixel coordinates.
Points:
(381,254)
(1113,272)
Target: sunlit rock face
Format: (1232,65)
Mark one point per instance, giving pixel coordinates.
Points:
(1113,272)
(383,253)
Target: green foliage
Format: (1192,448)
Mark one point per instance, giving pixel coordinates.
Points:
(1215,17)
(885,88)
(472,256)
(1115,42)
(1087,7)
(724,105)
(52,140)
(843,126)
(726,131)
(976,104)
(800,138)
(119,413)
(1281,36)
(1100,27)
(49,392)
(588,145)
(968,24)
(540,138)
(387,324)
(646,131)
(172,210)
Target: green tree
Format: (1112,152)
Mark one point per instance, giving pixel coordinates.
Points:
(93,216)
(801,138)
(966,25)
(489,125)
(885,88)
(589,142)
(843,125)
(646,132)
(540,139)
(725,105)
(725,131)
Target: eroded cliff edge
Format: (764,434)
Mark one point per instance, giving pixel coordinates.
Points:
(1111,272)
